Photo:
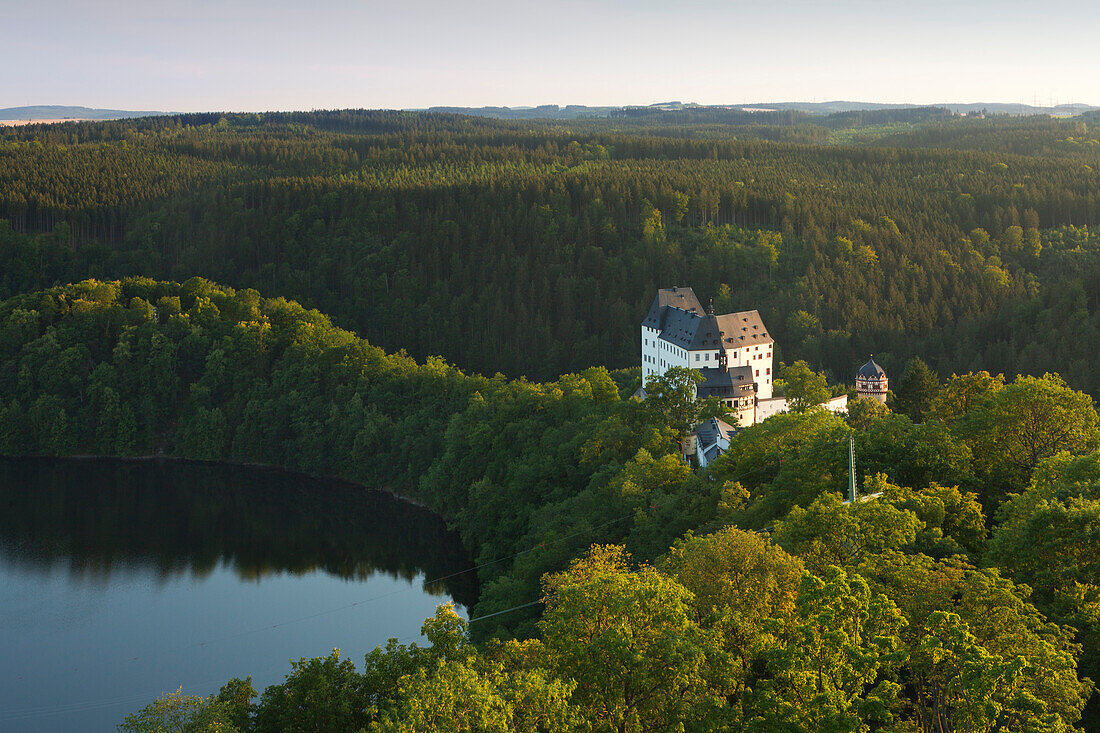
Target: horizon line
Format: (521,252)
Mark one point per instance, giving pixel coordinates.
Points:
(750,104)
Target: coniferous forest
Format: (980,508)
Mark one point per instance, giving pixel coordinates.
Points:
(530,248)
(331,291)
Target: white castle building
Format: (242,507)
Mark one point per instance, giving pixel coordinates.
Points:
(733,352)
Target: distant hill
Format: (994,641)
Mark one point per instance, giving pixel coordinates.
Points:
(64,112)
(1010,108)
(574,111)
(544,111)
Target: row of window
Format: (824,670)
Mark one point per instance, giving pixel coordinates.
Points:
(662,363)
(706,357)
(662,345)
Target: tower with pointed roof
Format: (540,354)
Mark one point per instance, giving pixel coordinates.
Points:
(871,381)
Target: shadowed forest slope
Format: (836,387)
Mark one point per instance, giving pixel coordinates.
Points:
(534,247)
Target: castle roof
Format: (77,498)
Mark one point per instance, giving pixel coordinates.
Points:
(871,370)
(680,298)
(711,430)
(745,328)
(733,382)
(679,316)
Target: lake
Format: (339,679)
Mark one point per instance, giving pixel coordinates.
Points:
(122,580)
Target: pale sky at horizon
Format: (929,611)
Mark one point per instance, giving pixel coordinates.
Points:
(252,55)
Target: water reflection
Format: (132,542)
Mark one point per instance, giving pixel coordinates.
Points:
(100,516)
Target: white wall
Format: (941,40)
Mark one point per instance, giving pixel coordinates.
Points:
(746,416)
(703,359)
(658,356)
(649,353)
(765,408)
(759,359)
(775,405)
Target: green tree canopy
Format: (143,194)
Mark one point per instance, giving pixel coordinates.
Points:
(803,387)
(916,391)
(672,398)
(630,642)
(995,627)
(832,533)
(829,669)
(1029,420)
(738,580)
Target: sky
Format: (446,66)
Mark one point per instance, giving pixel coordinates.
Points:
(259,55)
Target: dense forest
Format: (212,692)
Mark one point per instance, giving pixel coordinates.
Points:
(533,247)
(962,595)
(620,588)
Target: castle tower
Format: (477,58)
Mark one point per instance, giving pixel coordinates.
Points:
(871,381)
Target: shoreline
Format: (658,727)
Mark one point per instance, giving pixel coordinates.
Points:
(244,464)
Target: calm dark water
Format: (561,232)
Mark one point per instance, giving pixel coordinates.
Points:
(120,581)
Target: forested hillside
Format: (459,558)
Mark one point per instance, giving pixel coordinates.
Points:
(620,588)
(962,597)
(533,247)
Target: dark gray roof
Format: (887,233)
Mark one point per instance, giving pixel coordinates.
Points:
(713,452)
(733,382)
(871,370)
(689,331)
(680,298)
(711,429)
(682,321)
